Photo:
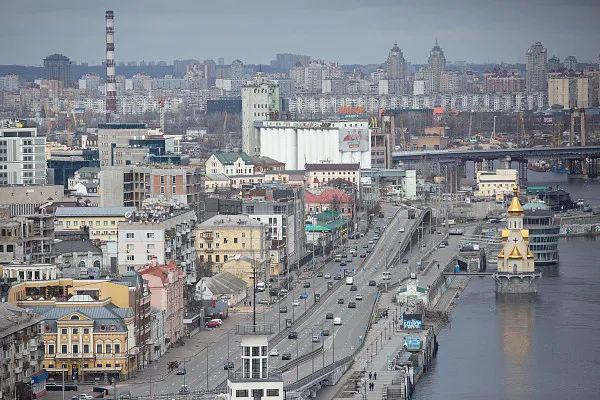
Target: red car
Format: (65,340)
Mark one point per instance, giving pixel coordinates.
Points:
(212,324)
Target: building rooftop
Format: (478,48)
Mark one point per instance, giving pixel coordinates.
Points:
(332,167)
(75,246)
(13,319)
(224,283)
(93,211)
(221,220)
(229,158)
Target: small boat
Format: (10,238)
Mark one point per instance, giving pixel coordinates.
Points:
(539,166)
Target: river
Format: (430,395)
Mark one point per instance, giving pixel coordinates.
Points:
(545,348)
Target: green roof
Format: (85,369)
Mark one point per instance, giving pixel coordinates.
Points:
(228,158)
(327,226)
(328,215)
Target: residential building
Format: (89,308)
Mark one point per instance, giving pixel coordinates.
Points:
(58,67)
(157,334)
(9,82)
(319,175)
(298,143)
(229,164)
(104,302)
(326,228)
(329,199)
(27,239)
(166,293)
(497,183)
(281,210)
(536,68)
(503,82)
(223,237)
(25,200)
(223,285)
(571,91)
(100,222)
(85,181)
(244,267)
(89,83)
(214,183)
(436,64)
(22,353)
(79,259)
(22,155)
(113,135)
(160,232)
(260,102)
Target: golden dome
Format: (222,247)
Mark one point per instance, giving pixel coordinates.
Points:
(515,206)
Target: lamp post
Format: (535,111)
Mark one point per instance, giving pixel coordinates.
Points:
(297,363)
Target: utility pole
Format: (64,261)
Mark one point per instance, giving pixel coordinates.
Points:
(63,382)
(206,367)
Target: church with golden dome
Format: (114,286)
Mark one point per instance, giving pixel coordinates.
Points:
(516,262)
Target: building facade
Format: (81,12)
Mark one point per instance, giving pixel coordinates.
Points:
(101,222)
(536,78)
(496,183)
(260,102)
(22,156)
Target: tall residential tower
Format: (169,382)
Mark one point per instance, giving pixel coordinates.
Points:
(536,79)
(260,102)
(436,64)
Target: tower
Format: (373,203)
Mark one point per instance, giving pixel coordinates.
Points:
(111,82)
(260,102)
(536,79)
(396,70)
(436,64)
(516,265)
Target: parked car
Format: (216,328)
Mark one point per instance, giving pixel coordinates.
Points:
(327,276)
(340,301)
(306,284)
(343,263)
(401,230)
(372,283)
(344,255)
(316,339)
(369,251)
(329,315)
(181,371)
(351,304)
(337,321)
(228,365)
(263,301)
(295,303)
(353,288)
(274,353)
(325,332)
(337,277)
(293,335)
(184,389)
(319,274)
(363,255)
(286,356)
(283,309)
(212,324)
(405,261)
(358,297)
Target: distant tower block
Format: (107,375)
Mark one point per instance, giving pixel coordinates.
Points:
(111,81)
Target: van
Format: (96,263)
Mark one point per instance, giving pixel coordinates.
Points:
(349,280)
(338,258)
(337,321)
(260,287)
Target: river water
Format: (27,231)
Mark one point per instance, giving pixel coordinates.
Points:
(545,348)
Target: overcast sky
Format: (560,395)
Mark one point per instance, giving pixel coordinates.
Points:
(348,31)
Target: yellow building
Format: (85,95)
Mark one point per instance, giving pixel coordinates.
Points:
(102,222)
(516,256)
(223,237)
(496,183)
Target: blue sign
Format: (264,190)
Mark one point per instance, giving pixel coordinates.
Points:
(412,321)
(412,343)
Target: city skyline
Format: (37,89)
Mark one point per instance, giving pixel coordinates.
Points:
(176,31)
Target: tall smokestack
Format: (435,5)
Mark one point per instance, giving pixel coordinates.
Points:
(111,81)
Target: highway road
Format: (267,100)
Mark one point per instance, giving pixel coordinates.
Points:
(222,343)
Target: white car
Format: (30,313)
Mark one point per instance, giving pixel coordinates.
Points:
(401,230)
(296,303)
(337,321)
(358,297)
(327,276)
(442,245)
(274,353)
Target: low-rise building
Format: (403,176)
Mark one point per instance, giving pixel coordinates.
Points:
(157,342)
(222,286)
(166,293)
(328,199)
(27,239)
(25,200)
(496,183)
(21,354)
(319,175)
(79,259)
(224,237)
(101,222)
(29,272)
(229,163)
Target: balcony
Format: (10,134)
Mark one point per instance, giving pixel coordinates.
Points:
(257,329)
(272,376)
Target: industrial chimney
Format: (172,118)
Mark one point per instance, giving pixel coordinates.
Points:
(111,82)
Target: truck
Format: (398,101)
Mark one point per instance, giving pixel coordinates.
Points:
(349,280)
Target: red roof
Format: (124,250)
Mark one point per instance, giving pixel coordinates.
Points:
(160,271)
(327,196)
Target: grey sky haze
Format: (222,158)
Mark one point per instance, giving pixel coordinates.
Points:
(350,31)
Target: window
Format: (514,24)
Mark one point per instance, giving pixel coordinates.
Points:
(10,248)
(99,348)
(108,348)
(63,349)
(217,258)
(63,331)
(129,235)
(235,240)
(241,393)
(150,235)
(75,331)
(50,349)
(86,348)
(117,348)
(130,257)
(272,392)
(75,318)
(75,349)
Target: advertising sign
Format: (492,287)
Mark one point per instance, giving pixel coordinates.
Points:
(412,321)
(412,343)
(354,139)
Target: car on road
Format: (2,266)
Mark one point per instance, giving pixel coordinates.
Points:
(181,371)
(316,339)
(329,315)
(319,274)
(376,237)
(363,255)
(274,353)
(405,261)
(358,297)
(337,321)
(325,332)
(184,389)
(372,283)
(283,292)
(340,301)
(286,356)
(283,309)
(263,301)
(295,303)
(337,277)
(371,241)
(401,230)
(344,255)
(306,285)
(366,246)
(212,324)
(391,217)
(293,335)
(84,396)
(442,245)
(343,263)
(351,304)
(228,365)
(369,251)
(327,276)
(353,288)
(424,245)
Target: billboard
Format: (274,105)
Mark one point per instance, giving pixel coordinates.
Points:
(412,321)
(354,139)
(412,343)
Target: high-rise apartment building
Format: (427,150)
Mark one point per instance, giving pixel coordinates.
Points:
(113,135)
(57,67)
(436,64)
(260,102)
(571,91)
(396,64)
(22,155)
(537,68)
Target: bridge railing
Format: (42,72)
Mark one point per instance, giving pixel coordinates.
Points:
(319,374)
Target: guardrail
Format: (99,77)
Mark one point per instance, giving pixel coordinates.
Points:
(319,374)
(302,358)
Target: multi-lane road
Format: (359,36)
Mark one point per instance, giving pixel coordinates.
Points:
(222,344)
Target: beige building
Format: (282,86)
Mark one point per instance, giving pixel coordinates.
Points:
(102,222)
(571,91)
(496,183)
(224,237)
(242,267)
(318,175)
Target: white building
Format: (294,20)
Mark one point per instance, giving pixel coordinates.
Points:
(229,164)
(496,183)
(30,272)
(260,102)
(22,155)
(298,143)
